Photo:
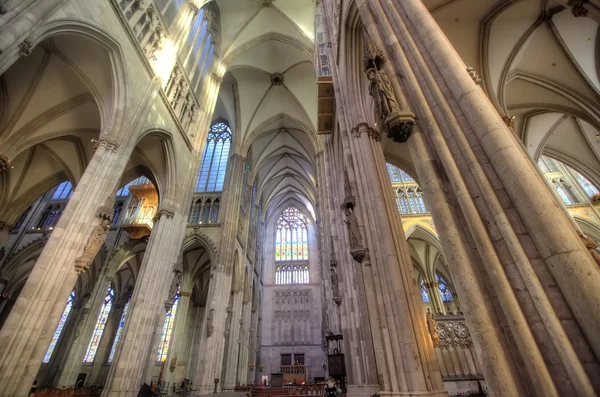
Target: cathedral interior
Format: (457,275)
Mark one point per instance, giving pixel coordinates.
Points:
(256,197)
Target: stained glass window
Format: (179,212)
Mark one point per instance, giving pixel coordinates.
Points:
(291,240)
(585,184)
(59,328)
(100,325)
(163,347)
(424,292)
(63,191)
(444,289)
(214,160)
(397,175)
(119,330)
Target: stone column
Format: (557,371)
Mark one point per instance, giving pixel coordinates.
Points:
(29,328)
(233,350)
(405,357)
(499,367)
(533,257)
(84,330)
(133,353)
(195,345)
(178,342)
(108,339)
(212,345)
(244,332)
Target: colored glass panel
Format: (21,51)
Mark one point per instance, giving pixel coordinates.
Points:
(211,175)
(447,295)
(165,339)
(119,330)
(59,328)
(100,325)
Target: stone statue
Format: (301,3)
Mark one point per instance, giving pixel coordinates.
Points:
(209,323)
(335,285)
(92,247)
(382,92)
(352,224)
(432,326)
(228,321)
(591,246)
(173,364)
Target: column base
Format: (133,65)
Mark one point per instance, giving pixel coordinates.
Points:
(432,393)
(362,390)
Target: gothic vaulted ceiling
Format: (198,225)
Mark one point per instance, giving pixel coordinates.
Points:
(538,63)
(269,93)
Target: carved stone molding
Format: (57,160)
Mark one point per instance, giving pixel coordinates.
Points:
(167,211)
(509,121)
(453,334)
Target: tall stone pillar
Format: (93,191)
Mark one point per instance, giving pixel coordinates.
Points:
(235,326)
(133,356)
(29,328)
(108,339)
(405,357)
(212,346)
(538,269)
(84,330)
(244,332)
(354,322)
(178,337)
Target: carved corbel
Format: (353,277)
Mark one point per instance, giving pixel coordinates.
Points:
(108,144)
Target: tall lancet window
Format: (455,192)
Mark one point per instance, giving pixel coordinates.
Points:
(59,328)
(119,330)
(100,325)
(445,291)
(291,239)
(165,339)
(211,176)
(409,196)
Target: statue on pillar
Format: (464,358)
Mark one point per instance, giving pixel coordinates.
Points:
(356,248)
(335,286)
(395,121)
(432,327)
(83,262)
(209,323)
(173,364)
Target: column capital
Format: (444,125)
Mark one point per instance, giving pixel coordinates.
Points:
(237,156)
(107,144)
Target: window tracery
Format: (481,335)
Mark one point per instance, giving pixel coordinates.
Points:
(291,274)
(59,328)
(167,331)
(291,238)
(100,325)
(119,330)
(211,176)
(445,292)
(409,196)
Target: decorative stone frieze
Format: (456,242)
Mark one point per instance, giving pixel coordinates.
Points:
(453,334)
